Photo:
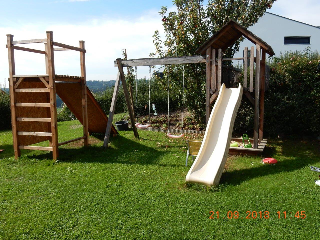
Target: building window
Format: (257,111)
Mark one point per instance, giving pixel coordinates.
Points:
(296,40)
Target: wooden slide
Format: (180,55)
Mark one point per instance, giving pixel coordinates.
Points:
(71,95)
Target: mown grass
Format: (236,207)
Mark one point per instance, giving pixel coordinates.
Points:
(136,190)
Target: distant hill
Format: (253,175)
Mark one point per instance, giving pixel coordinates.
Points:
(99,86)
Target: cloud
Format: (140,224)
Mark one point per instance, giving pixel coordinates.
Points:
(104,41)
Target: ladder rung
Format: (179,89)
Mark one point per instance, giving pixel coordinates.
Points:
(33,119)
(36,148)
(39,134)
(32,104)
(33,90)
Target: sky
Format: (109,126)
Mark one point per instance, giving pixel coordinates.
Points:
(106,26)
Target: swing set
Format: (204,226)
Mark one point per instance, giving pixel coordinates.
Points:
(211,53)
(146,126)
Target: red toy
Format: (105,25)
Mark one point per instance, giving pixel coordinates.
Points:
(269,161)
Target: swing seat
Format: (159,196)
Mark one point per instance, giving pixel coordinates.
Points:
(175,136)
(140,126)
(193,149)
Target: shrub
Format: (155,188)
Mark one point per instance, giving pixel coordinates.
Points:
(5,119)
(104,99)
(65,114)
(292,103)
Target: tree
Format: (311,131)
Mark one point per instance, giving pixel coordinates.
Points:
(191,25)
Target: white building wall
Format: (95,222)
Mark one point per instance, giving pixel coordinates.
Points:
(272,29)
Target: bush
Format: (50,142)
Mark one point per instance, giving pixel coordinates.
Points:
(65,114)
(5,119)
(104,99)
(292,104)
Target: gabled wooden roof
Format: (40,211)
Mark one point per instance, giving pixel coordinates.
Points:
(228,35)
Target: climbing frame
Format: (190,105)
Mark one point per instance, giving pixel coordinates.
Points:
(33,99)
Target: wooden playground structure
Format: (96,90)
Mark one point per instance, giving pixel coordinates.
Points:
(33,99)
(211,53)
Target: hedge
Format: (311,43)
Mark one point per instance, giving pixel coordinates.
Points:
(5,119)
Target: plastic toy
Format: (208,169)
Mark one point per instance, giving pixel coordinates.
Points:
(245,137)
(316,169)
(269,161)
(234,144)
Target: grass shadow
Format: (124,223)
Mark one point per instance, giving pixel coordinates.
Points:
(7,151)
(122,150)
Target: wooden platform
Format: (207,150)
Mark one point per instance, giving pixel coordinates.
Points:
(247,151)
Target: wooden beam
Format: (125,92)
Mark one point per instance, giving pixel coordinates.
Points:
(162,61)
(213,71)
(29,41)
(32,104)
(36,148)
(68,47)
(39,134)
(111,112)
(256,99)
(126,94)
(18,82)
(214,97)
(262,91)
(84,94)
(23,119)
(52,87)
(248,95)
(44,82)
(33,90)
(219,68)
(245,66)
(28,49)
(251,67)
(13,96)
(30,76)
(208,82)
(231,59)
(60,49)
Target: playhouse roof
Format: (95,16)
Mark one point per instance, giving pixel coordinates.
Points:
(228,35)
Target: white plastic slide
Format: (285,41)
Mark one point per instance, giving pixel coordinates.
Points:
(209,163)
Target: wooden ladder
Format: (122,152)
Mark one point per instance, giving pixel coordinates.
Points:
(19,88)
(51,133)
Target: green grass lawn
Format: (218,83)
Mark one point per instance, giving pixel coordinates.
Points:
(136,190)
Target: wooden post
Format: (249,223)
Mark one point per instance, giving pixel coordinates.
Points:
(219,68)
(208,82)
(12,96)
(213,71)
(251,67)
(45,82)
(256,99)
(245,68)
(84,95)
(111,112)
(263,84)
(46,58)
(52,86)
(127,96)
